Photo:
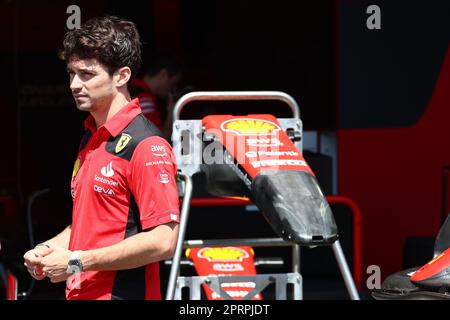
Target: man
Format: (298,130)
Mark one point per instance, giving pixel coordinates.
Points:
(154,88)
(125,201)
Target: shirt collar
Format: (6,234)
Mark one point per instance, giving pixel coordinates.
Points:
(119,121)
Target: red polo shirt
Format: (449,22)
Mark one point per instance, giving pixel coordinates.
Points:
(123,183)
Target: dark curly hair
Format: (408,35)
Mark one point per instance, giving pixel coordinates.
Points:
(113,41)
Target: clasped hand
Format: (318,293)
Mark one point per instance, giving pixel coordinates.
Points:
(44,262)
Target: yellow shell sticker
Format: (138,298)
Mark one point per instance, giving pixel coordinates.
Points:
(123,141)
(223,254)
(246,126)
(76,167)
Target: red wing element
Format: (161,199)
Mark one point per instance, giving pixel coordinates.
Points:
(435,274)
(257,142)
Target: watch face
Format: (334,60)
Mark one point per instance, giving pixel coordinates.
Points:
(75,266)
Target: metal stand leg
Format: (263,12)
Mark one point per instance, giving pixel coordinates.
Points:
(298,291)
(174,271)
(345,271)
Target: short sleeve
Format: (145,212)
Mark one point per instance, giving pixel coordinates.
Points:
(152,180)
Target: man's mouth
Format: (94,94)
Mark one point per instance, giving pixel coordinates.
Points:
(80,97)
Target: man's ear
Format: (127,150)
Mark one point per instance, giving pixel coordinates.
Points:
(122,76)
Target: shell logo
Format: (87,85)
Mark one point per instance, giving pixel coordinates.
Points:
(223,254)
(249,126)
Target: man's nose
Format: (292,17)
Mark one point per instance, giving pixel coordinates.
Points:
(75,84)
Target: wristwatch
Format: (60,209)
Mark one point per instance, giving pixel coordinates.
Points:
(75,265)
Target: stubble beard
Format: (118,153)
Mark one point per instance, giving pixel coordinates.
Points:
(86,106)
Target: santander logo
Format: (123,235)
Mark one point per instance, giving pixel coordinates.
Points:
(107,171)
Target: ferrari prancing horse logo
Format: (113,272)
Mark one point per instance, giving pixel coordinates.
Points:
(123,142)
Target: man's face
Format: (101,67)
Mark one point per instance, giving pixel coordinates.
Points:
(91,85)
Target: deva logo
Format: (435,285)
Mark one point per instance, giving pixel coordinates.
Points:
(106,191)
